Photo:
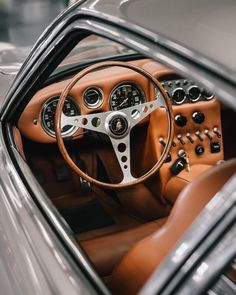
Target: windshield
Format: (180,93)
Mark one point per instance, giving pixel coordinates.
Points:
(92,48)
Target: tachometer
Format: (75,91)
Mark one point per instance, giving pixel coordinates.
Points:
(48,115)
(126,95)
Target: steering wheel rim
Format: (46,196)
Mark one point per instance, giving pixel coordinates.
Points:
(60,119)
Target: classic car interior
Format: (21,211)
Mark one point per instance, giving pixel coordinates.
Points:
(129,152)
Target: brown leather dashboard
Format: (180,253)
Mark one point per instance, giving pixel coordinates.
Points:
(30,121)
(202,140)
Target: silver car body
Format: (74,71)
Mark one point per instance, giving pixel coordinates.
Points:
(37,252)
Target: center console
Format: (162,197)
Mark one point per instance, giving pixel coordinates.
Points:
(197,143)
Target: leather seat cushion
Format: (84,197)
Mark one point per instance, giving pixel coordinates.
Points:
(107,251)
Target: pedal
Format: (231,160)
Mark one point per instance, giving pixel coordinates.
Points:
(85,185)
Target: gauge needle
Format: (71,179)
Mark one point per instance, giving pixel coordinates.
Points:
(123,102)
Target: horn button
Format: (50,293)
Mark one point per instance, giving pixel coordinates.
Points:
(118,125)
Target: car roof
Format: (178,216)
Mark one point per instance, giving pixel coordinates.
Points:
(204,30)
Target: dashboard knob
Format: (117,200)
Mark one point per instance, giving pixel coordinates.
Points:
(180,120)
(199,150)
(198,117)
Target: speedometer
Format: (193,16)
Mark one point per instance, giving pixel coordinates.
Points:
(48,115)
(126,95)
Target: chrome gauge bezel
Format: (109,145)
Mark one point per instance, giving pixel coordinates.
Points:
(99,102)
(126,83)
(199,96)
(183,100)
(71,130)
(207,97)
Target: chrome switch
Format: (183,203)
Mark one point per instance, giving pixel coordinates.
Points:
(198,134)
(189,137)
(180,138)
(217,132)
(207,133)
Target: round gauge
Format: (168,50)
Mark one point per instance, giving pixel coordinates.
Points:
(48,115)
(179,95)
(207,94)
(93,97)
(126,95)
(194,93)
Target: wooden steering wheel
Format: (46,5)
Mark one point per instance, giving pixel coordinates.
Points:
(117,125)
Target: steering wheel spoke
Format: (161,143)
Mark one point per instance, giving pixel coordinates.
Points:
(93,122)
(122,151)
(139,112)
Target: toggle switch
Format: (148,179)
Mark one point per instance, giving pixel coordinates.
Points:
(198,134)
(189,137)
(180,138)
(216,131)
(207,133)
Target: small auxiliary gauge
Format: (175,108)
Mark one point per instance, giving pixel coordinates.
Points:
(93,97)
(179,95)
(207,94)
(194,93)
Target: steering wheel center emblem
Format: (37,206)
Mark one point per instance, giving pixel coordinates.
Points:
(118,125)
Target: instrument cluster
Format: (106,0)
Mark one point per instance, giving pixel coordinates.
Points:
(185,91)
(124,95)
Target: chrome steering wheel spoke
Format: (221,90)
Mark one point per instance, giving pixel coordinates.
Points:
(117,125)
(121,147)
(139,112)
(94,122)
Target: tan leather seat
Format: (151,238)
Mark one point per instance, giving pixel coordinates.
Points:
(139,263)
(107,251)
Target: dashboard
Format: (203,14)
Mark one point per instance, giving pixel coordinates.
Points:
(104,90)
(124,95)
(197,113)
